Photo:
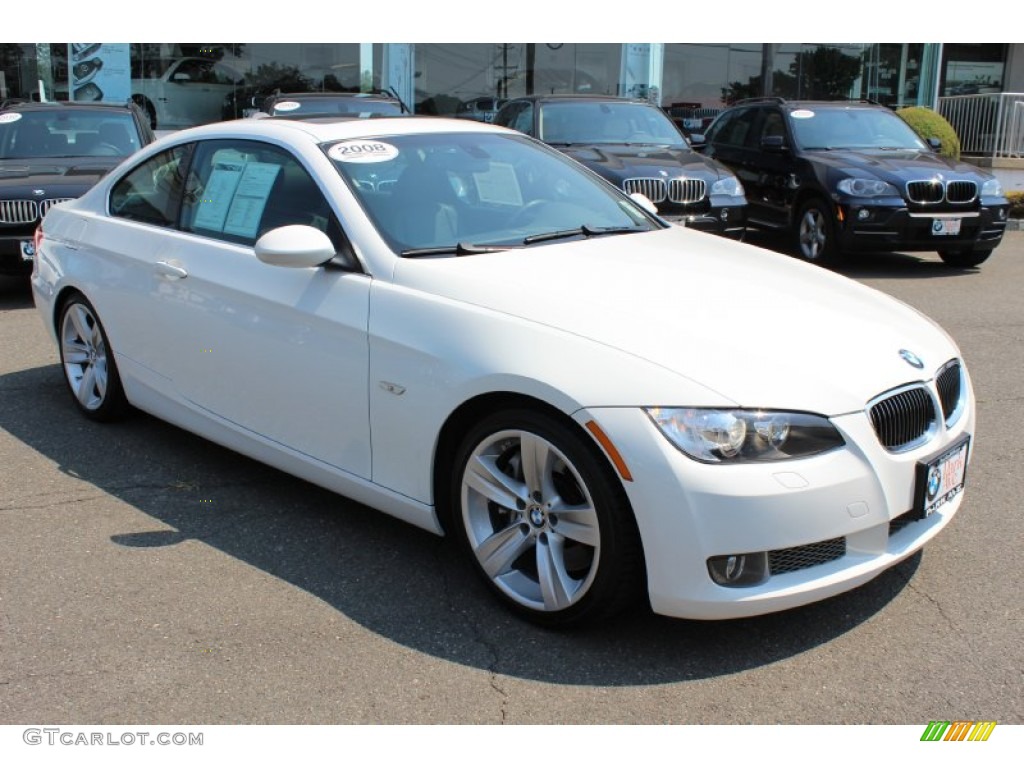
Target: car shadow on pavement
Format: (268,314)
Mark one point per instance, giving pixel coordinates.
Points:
(400,582)
(915,266)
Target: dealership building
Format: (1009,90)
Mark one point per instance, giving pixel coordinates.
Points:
(183,84)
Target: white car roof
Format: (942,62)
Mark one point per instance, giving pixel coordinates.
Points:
(318,131)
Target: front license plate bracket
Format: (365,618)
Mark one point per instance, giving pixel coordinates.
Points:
(941,479)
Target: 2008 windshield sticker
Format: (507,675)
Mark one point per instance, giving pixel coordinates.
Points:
(801,114)
(362,151)
(10,117)
(287,106)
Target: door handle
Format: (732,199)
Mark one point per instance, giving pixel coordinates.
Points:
(166,269)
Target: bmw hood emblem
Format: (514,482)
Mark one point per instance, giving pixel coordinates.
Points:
(911,358)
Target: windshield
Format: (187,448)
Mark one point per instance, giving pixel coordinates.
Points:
(436,191)
(355,106)
(67,133)
(596,122)
(852,128)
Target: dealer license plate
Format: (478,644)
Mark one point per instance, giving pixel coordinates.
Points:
(941,480)
(28,250)
(945,227)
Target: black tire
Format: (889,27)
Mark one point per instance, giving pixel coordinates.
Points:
(965,259)
(815,232)
(87,360)
(553,535)
(147,106)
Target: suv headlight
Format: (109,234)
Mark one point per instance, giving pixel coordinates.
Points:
(867,188)
(730,185)
(992,188)
(718,436)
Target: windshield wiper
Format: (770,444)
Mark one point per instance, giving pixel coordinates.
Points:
(586,231)
(459,249)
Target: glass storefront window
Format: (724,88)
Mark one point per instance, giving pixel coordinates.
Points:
(969,68)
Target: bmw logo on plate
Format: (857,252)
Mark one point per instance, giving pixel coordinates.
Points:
(911,358)
(934,482)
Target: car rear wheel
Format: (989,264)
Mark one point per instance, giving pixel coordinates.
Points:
(545,521)
(816,240)
(88,363)
(965,258)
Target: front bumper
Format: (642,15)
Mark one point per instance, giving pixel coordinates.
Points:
(872,227)
(12,259)
(834,513)
(725,220)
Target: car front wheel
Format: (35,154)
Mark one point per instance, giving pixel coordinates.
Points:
(964,259)
(816,240)
(545,521)
(89,368)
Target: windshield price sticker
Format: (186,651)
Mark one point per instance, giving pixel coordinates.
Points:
(287,106)
(10,117)
(362,151)
(801,114)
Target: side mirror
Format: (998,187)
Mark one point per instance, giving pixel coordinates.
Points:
(644,202)
(934,143)
(181,77)
(773,143)
(698,140)
(295,245)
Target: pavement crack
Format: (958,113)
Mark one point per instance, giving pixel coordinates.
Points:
(492,649)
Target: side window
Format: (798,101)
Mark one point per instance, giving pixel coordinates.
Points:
(734,129)
(508,114)
(524,120)
(247,188)
(152,191)
(772,125)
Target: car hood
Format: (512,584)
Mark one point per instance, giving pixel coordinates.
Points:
(620,161)
(898,166)
(61,174)
(760,329)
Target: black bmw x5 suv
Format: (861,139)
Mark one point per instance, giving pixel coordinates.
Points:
(845,177)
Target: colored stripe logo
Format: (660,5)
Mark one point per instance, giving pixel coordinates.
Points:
(958,730)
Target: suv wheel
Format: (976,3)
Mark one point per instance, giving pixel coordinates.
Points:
(815,234)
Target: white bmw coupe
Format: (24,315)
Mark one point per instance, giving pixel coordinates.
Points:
(459,326)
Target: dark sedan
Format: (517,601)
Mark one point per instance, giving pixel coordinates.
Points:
(52,152)
(636,146)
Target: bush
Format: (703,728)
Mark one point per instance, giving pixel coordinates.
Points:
(929,124)
(1016,204)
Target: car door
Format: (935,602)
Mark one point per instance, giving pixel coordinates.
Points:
(770,160)
(280,353)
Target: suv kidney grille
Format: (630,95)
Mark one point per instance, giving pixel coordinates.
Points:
(904,419)
(18,211)
(934,191)
(652,189)
(686,190)
(27,211)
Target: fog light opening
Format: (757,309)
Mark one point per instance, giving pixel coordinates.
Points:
(743,570)
(863,214)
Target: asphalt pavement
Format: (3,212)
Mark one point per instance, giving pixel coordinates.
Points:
(149,576)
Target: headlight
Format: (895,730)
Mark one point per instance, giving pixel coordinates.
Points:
(992,188)
(730,185)
(716,436)
(867,188)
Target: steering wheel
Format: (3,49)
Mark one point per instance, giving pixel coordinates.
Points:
(108,149)
(528,212)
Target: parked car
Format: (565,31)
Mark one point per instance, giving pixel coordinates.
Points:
(636,147)
(52,152)
(847,177)
(503,347)
(482,108)
(331,104)
(177,93)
